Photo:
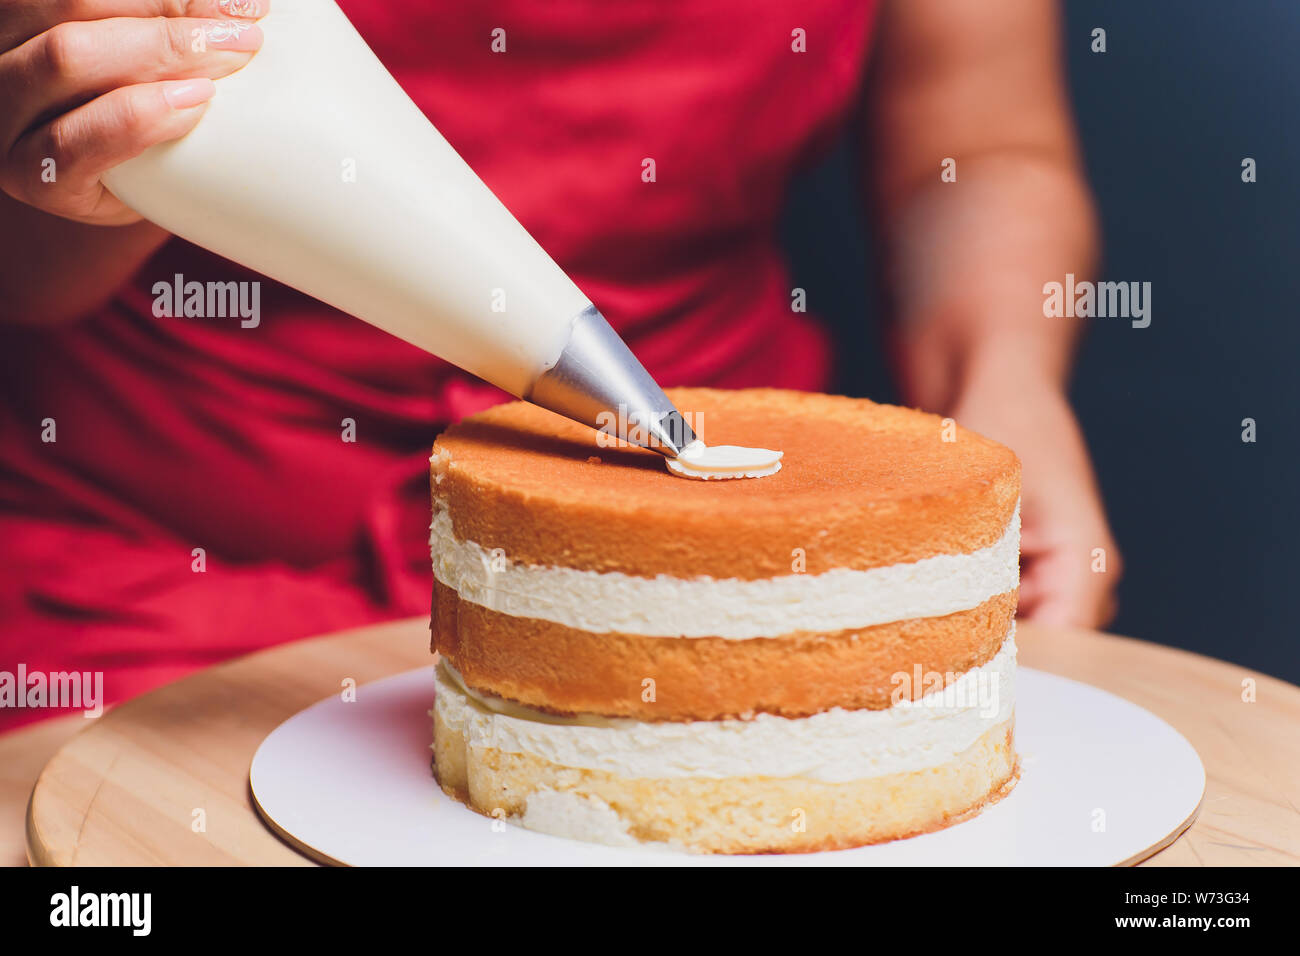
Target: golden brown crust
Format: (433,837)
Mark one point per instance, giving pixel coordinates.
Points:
(862,486)
(559,669)
(743,814)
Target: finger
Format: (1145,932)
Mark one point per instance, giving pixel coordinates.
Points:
(1108,610)
(1036,567)
(1078,603)
(1057,612)
(75,61)
(78,147)
(1031,538)
(27,20)
(1058,588)
(1051,613)
(1030,588)
(1033,588)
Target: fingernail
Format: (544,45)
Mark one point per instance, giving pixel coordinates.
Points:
(233,35)
(182,94)
(240,8)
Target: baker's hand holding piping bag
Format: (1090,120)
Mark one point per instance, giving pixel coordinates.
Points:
(975,91)
(84,86)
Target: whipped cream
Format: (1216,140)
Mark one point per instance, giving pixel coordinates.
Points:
(835,746)
(664,606)
(705,462)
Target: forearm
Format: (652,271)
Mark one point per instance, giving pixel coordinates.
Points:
(967,259)
(967,262)
(972,89)
(55,270)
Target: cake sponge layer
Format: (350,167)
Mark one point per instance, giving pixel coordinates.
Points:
(560,669)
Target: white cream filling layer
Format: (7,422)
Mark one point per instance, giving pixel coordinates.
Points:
(665,606)
(835,746)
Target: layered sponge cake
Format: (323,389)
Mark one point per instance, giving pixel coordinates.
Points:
(818,659)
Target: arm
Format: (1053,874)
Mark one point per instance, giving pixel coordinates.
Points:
(966,261)
(54,270)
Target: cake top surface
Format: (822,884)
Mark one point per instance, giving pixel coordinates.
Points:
(833,447)
(852,469)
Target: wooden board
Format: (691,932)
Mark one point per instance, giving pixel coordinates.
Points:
(125,789)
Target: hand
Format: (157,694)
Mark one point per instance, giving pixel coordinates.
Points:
(1064,579)
(88,84)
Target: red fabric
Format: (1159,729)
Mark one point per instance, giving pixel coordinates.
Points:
(175,434)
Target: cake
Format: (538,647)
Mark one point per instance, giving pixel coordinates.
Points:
(819,659)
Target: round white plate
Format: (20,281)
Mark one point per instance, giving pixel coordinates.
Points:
(1103,782)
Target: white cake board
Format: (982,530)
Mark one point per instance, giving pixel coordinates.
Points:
(1103,782)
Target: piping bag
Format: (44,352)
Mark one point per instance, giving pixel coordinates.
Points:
(313,167)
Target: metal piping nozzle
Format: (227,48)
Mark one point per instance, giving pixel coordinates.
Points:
(599,382)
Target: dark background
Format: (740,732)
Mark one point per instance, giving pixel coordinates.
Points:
(1209,526)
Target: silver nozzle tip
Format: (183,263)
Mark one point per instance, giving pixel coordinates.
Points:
(599,382)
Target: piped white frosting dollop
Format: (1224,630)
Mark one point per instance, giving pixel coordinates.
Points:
(705,462)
